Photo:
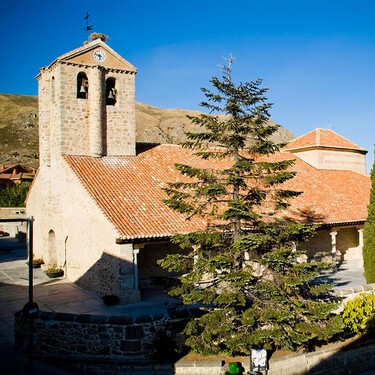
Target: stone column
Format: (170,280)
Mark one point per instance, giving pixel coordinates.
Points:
(128,273)
(96,99)
(135,265)
(334,250)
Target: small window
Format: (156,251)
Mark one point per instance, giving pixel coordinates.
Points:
(82,86)
(110,91)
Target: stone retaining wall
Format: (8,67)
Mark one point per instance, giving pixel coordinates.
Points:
(105,345)
(111,342)
(338,359)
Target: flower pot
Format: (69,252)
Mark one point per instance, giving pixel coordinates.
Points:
(53,275)
(35,265)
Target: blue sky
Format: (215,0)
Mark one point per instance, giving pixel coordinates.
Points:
(317,57)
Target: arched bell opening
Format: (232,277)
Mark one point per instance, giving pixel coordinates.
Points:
(110,91)
(82,86)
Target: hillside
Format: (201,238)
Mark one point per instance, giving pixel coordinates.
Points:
(19,130)
(19,127)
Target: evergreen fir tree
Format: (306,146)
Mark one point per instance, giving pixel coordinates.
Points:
(242,267)
(369,235)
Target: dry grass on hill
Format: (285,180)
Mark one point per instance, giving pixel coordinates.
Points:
(19,127)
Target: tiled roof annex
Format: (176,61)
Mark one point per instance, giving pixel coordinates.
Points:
(329,196)
(128,190)
(322,138)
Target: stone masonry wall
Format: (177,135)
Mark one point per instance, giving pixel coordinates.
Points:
(98,339)
(74,126)
(109,344)
(46,104)
(120,118)
(89,126)
(89,335)
(73,122)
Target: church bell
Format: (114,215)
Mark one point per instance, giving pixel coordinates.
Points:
(110,94)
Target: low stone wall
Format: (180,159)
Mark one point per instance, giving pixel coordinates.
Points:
(103,345)
(339,359)
(15,229)
(106,343)
(87,335)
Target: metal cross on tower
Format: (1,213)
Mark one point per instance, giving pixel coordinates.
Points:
(88,27)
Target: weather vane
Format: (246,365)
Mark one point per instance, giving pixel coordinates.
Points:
(88,27)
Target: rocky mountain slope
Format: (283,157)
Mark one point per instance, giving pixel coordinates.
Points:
(19,128)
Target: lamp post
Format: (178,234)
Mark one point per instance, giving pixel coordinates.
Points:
(31,309)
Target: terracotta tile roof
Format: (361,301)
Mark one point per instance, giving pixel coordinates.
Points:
(322,138)
(4,167)
(15,172)
(329,196)
(128,191)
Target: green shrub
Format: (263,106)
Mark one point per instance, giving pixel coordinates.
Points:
(369,235)
(359,313)
(14,195)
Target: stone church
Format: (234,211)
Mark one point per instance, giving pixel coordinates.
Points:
(96,199)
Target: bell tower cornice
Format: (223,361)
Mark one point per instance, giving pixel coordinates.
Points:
(95,53)
(51,67)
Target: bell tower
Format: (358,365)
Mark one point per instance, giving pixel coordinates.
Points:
(87,104)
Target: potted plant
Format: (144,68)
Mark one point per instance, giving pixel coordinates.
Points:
(37,262)
(53,271)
